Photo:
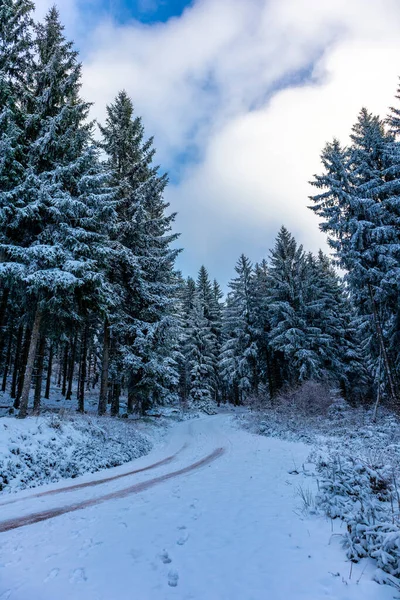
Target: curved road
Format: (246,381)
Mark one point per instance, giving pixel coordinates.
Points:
(210,514)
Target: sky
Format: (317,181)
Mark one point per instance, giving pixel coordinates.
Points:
(240,96)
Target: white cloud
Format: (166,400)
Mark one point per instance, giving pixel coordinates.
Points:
(211,82)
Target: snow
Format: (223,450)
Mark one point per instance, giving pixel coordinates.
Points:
(231,529)
(45,449)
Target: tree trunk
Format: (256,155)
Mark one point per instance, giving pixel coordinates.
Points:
(82,373)
(58,374)
(49,370)
(79,373)
(115,399)
(39,377)
(131,401)
(3,308)
(23,411)
(22,366)
(17,360)
(89,374)
(269,377)
(392,387)
(65,370)
(8,360)
(378,392)
(102,408)
(71,367)
(3,305)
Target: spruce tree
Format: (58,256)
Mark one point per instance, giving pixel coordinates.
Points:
(16,50)
(199,349)
(57,240)
(290,339)
(356,203)
(143,267)
(186,311)
(238,363)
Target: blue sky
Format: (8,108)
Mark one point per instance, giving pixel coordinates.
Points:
(145,11)
(241,96)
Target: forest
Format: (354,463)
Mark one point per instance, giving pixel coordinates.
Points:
(91,299)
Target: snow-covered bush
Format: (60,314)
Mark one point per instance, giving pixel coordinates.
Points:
(366,498)
(309,398)
(49,448)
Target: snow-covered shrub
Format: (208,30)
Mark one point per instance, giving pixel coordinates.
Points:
(309,398)
(365,497)
(49,448)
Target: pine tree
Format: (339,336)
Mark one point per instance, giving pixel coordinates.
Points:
(290,338)
(143,267)
(267,360)
(332,312)
(239,368)
(216,314)
(15,65)
(56,241)
(200,354)
(356,206)
(209,302)
(186,311)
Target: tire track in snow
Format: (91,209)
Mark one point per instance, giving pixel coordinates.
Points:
(78,486)
(133,489)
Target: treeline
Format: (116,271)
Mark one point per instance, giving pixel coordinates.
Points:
(88,285)
(285,321)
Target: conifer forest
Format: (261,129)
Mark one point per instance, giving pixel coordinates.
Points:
(91,298)
(234,441)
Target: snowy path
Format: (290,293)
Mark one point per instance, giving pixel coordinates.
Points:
(227,528)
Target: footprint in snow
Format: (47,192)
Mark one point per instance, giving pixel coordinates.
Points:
(5,595)
(165,557)
(135,554)
(176,491)
(173,578)
(77,576)
(183,539)
(51,556)
(86,546)
(53,573)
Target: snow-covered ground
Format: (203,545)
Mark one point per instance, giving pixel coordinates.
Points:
(47,448)
(231,528)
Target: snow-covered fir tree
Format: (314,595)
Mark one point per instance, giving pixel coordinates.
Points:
(199,350)
(145,328)
(359,194)
(56,240)
(238,363)
(294,344)
(15,65)
(207,295)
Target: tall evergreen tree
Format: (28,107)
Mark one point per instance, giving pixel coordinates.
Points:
(290,338)
(355,203)
(200,354)
(143,268)
(239,368)
(15,66)
(54,239)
